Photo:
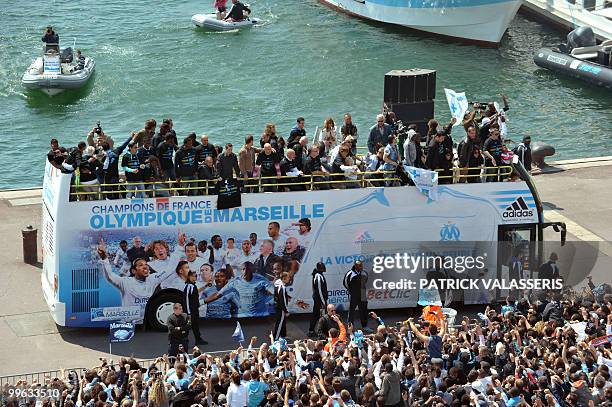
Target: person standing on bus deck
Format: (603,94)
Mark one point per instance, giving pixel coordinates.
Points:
(133,166)
(192,305)
(282,300)
(355,281)
(319,295)
(523,152)
(179,325)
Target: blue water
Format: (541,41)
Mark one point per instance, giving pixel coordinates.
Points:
(306,60)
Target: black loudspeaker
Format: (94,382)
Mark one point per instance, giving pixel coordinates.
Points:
(409,86)
(418,113)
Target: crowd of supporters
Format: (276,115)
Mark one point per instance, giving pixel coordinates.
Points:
(156,164)
(528,353)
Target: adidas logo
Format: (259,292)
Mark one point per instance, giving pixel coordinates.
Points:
(518,209)
(364,237)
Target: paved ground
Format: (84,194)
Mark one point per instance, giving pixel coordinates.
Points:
(30,341)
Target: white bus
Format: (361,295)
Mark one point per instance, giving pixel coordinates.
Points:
(283,231)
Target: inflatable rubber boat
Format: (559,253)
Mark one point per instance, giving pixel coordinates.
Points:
(210,22)
(580,58)
(56,71)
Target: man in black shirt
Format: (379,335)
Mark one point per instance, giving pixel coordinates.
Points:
(301,152)
(282,301)
(51,39)
(160,136)
(466,147)
(314,167)
(296,133)
(208,172)
(75,157)
(436,152)
(110,167)
(205,149)
(145,152)
(165,153)
(492,150)
(327,322)
(236,13)
(227,163)
(133,167)
(57,154)
(355,283)
(137,251)
(523,152)
(267,160)
(179,325)
(186,167)
(289,167)
(192,305)
(319,296)
(264,265)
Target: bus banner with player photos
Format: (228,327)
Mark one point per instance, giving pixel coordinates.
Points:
(121,253)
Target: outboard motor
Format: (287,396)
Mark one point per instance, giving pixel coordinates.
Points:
(66,55)
(580,37)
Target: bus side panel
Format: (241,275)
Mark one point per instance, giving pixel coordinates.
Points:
(341,221)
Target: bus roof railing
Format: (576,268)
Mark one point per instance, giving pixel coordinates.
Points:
(262,183)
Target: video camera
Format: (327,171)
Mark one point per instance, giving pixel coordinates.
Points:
(480,105)
(98,128)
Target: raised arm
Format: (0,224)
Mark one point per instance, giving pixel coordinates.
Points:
(106,267)
(415,330)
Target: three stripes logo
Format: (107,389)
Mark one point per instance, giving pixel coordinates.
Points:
(364,237)
(517,209)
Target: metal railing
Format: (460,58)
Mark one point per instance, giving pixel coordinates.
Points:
(37,377)
(363,179)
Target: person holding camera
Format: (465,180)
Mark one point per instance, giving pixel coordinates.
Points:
(51,39)
(179,325)
(100,137)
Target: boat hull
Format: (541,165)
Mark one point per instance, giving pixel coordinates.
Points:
(210,22)
(567,65)
(482,21)
(54,84)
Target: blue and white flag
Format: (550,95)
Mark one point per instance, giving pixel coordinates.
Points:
(238,335)
(429,296)
(121,331)
(426,181)
(458,104)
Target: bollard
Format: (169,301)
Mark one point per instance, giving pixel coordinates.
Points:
(30,249)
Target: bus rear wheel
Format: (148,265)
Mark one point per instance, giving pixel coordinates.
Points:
(159,308)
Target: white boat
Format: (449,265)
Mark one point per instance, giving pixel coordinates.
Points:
(55,71)
(211,22)
(597,14)
(482,22)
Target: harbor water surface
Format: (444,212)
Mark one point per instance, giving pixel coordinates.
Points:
(305,60)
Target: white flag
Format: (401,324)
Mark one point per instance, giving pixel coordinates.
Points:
(458,104)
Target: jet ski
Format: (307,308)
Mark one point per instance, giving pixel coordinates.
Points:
(57,70)
(580,58)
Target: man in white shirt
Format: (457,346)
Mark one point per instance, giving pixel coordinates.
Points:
(248,253)
(232,255)
(121,260)
(165,262)
(191,256)
(136,290)
(276,238)
(304,232)
(218,252)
